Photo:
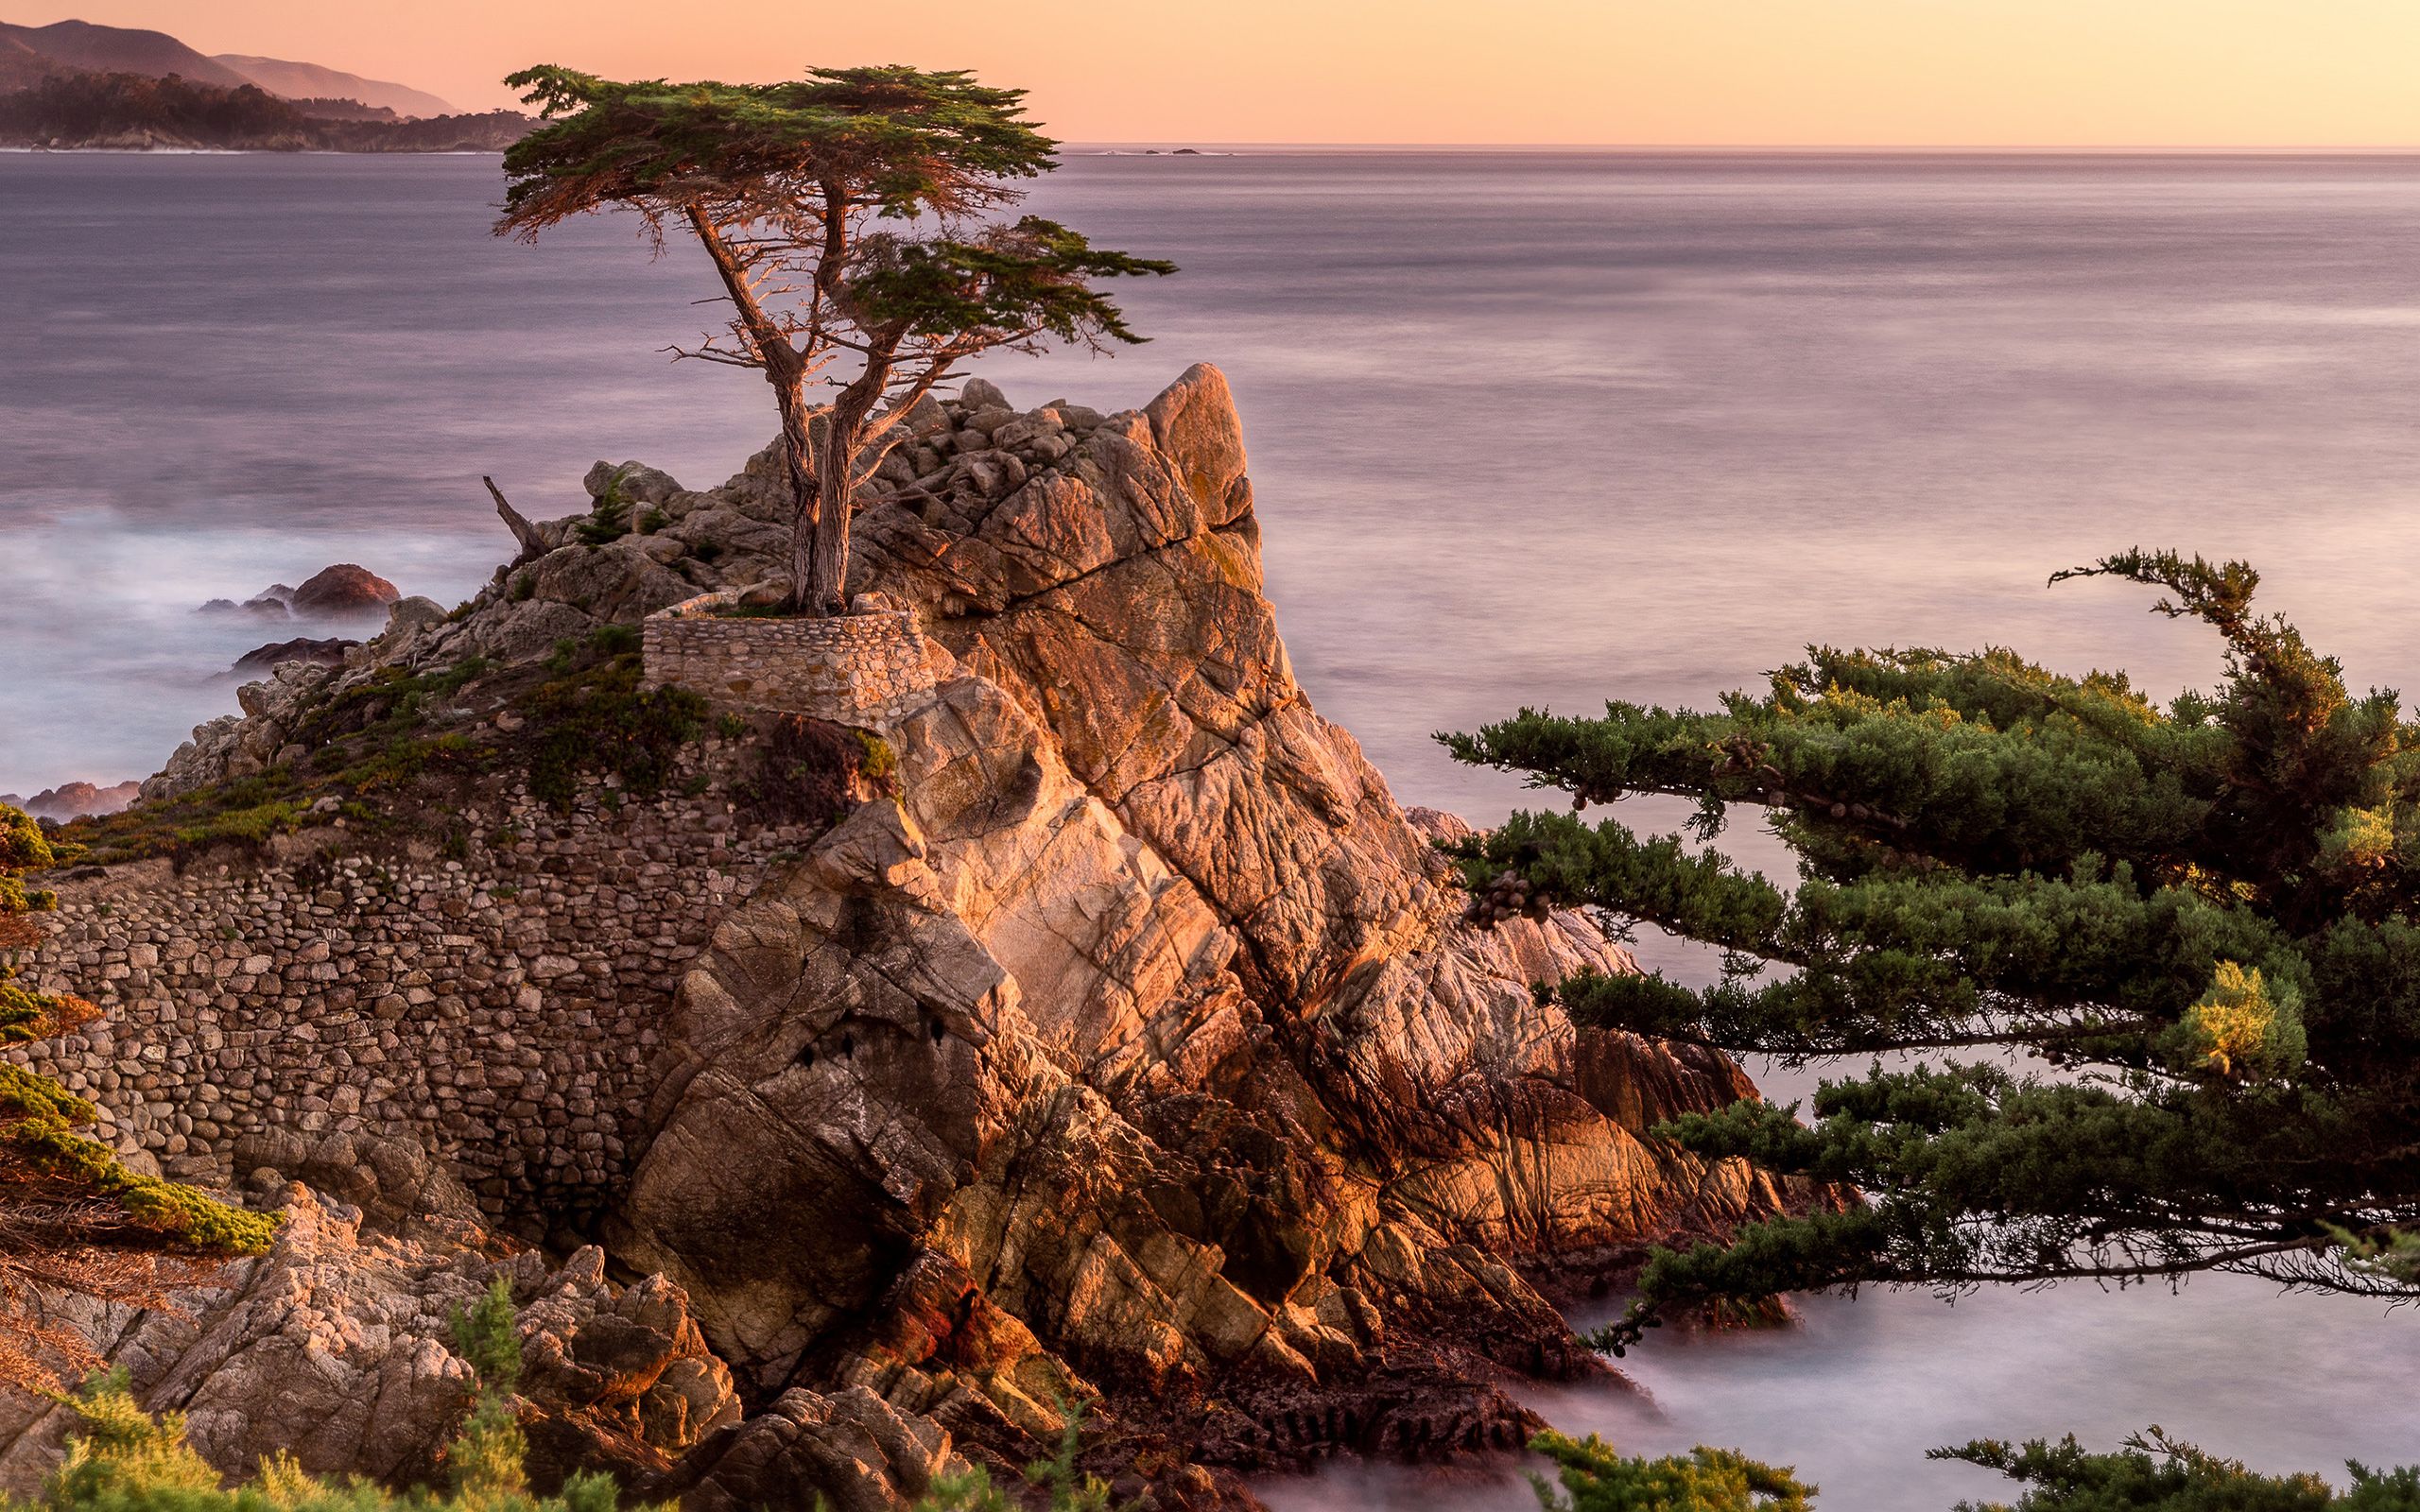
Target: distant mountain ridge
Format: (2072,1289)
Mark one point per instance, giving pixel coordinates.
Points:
(133,112)
(304,82)
(30,54)
(91,49)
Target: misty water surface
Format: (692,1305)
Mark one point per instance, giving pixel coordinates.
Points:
(1542,428)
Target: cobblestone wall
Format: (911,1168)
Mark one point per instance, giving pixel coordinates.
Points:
(502,1009)
(862,669)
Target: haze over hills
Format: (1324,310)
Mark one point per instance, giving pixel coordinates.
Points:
(29,54)
(302,81)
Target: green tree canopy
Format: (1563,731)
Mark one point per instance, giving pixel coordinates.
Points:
(2198,920)
(2155,1473)
(852,219)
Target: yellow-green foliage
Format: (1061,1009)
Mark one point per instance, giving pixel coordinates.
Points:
(1591,1477)
(2243,1026)
(23,847)
(38,1124)
(1066,1488)
(880,766)
(124,1460)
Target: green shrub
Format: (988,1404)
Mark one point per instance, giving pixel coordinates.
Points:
(809,771)
(124,1460)
(609,518)
(594,716)
(610,521)
(1591,1477)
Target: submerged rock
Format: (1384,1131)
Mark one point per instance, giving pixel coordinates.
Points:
(261,660)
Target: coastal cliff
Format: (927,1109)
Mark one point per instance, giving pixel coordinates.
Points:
(1095,1027)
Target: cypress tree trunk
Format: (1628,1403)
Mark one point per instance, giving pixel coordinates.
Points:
(827,572)
(797,464)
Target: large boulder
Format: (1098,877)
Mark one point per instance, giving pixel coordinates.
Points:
(345,591)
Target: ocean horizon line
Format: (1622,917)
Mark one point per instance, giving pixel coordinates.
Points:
(1173,145)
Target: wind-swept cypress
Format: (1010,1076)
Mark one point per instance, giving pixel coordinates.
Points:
(2147,978)
(845,214)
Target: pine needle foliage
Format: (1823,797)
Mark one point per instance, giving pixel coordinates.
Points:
(1591,1477)
(855,221)
(73,1217)
(2202,919)
(2156,1473)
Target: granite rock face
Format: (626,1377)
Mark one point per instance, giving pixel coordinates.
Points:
(337,1347)
(1136,1049)
(1134,1054)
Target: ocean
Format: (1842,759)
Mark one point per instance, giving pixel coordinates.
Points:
(1526,428)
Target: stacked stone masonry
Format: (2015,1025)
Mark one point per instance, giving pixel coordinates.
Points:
(503,1010)
(863,669)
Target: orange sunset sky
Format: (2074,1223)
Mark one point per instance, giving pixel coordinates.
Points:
(2074,73)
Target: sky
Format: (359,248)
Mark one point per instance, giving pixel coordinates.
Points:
(1913,73)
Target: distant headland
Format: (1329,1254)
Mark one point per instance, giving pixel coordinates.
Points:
(76,85)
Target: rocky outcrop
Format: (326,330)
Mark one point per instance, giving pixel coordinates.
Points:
(74,801)
(1134,1053)
(263,660)
(343,592)
(337,1347)
(1136,1049)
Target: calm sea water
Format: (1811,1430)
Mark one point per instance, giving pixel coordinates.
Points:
(1526,428)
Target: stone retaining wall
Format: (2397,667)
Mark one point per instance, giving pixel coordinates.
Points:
(501,1010)
(863,669)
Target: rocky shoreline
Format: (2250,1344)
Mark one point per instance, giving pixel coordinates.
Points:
(1116,1041)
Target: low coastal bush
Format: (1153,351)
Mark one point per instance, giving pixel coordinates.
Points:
(594,716)
(245,811)
(813,772)
(1591,1477)
(122,1459)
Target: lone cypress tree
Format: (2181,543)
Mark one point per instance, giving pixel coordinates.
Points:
(73,1218)
(845,217)
(2201,922)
